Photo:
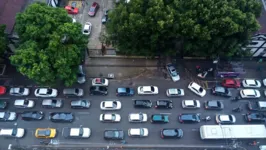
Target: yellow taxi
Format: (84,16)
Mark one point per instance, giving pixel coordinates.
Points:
(45,133)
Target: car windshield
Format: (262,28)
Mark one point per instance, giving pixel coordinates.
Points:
(26,102)
(152,88)
(141,132)
(200,89)
(6,116)
(173,72)
(127,90)
(14,132)
(49,91)
(76,90)
(21,90)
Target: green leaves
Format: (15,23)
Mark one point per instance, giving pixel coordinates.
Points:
(3,40)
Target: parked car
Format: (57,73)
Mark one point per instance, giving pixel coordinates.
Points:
(125,91)
(147,90)
(110,105)
(105,17)
(142,103)
(257,106)
(3,104)
(174,92)
(138,132)
(72,10)
(52,103)
(221,91)
(8,116)
(19,91)
(45,92)
(171,133)
(137,117)
(2,90)
(197,89)
(87,28)
(110,117)
(167,104)
(81,76)
(172,72)
(251,83)
(22,103)
(83,103)
(47,133)
(214,104)
(189,118)
(264,82)
(61,117)
(73,92)
(255,117)
(159,118)
(249,93)
(231,83)
(93,9)
(12,132)
(190,104)
(100,82)
(98,90)
(32,115)
(81,132)
(114,134)
(225,119)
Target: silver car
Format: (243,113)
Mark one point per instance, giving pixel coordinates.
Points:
(19,91)
(52,103)
(8,116)
(81,75)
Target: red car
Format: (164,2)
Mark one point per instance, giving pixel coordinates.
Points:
(72,10)
(93,9)
(231,83)
(2,90)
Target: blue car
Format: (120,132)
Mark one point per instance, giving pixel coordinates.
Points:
(125,91)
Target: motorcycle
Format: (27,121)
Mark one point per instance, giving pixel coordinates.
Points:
(238,109)
(207,118)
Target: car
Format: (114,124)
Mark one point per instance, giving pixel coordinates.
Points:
(110,117)
(137,117)
(93,9)
(264,82)
(98,90)
(190,104)
(81,132)
(214,105)
(45,92)
(124,91)
(225,119)
(81,76)
(72,10)
(2,90)
(257,106)
(159,118)
(249,93)
(147,90)
(231,83)
(73,92)
(87,28)
(189,118)
(52,103)
(61,117)
(255,117)
(12,132)
(19,91)
(168,104)
(142,103)
(110,105)
(83,103)
(105,17)
(24,103)
(174,92)
(47,133)
(138,132)
(172,72)
(8,116)
(32,115)
(100,82)
(171,133)
(114,134)
(3,104)
(197,89)
(221,91)
(251,83)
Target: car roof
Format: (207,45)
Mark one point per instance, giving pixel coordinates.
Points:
(108,103)
(173,91)
(195,85)
(170,132)
(229,81)
(189,102)
(43,91)
(108,116)
(135,131)
(135,116)
(224,117)
(213,103)
(262,103)
(219,89)
(251,81)
(249,92)
(146,88)
(121,90)
(74,131)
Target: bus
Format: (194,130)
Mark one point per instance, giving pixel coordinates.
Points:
(232,132)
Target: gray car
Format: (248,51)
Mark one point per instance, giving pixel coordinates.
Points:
(80,104)
(73,92)
(81,76)
(52,103)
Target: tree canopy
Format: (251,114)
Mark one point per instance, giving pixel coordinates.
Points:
(201,27)
(51,46)
(3,40)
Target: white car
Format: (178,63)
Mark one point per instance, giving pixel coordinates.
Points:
(87,28)
(19,91)
(148,90)
(172,72)
(225,119)
(8,116)
(250,93)
(100,82)
(12,132)
(137,117)
(110,105)
(190,104)
(197,89)
(264,82)
(174,92)
(251,83)
(138,132)
(24,103)
(76,132)
(110,117)
(45,92)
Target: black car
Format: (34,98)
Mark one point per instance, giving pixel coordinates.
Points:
(214,104)
(98,90)
(171,133)
(221,91)
(32,115)
(113,135)
(124,91)
(255,117)
(168,104)
(159,118)
(189,118)
(61,117)
(3,104)
(80,104)
(142,104)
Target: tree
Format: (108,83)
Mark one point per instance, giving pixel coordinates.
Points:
(3,40)
(204,27)
(51,46)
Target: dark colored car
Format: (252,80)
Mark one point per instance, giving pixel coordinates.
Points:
(93,9)
(231,83)
(166,104)
(113,134)
(61,117)
(214,104)
(159,118)
(221,91)
(3,104)
(171,133)
(32,115)
(105,17)
(255,117)
(98,90)
(124,91)
(80,104)
(142,104)
(189,118)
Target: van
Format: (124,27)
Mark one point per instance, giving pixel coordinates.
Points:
(12,132)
